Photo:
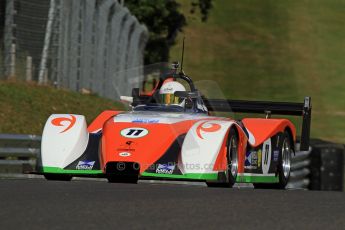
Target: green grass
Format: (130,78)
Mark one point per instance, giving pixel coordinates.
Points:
(26,107)
(273,50)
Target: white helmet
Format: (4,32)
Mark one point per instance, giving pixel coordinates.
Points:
(167,91)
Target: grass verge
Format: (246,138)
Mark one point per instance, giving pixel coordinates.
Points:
(26,107)
(273,50)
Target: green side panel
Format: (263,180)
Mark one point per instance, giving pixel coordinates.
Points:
(69,171)
(257,179)
(188,176)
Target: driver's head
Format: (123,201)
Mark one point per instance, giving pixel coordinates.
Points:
(167,91)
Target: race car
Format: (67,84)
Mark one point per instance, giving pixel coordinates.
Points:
(170,134)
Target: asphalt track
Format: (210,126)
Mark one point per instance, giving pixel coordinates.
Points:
(85,204)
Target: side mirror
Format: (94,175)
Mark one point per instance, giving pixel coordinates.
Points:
(186,94)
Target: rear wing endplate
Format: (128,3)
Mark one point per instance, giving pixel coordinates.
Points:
(268,108)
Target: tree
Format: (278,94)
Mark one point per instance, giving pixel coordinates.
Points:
(163,20)
(204,6)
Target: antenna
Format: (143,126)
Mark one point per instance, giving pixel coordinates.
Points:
(182,55)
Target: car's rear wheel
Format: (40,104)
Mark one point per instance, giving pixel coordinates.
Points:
(284,164)
(284,167)
(58,177)
(232,161)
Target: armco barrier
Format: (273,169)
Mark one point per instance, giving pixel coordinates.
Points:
(18,153)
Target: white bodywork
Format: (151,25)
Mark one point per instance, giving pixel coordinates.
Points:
(199,154)
(64,140)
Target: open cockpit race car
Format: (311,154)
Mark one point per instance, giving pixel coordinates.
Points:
(170,134)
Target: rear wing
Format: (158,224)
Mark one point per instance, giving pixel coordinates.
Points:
(268,108)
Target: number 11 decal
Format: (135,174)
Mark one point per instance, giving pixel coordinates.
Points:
(134,132)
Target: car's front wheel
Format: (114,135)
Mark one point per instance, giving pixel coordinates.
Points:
(232,157)
(232,161)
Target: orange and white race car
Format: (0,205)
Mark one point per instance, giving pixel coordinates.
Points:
(170,134)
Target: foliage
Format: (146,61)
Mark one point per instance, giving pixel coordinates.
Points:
(204,6)
(163,20)
(272,50)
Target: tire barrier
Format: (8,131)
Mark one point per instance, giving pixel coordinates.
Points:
(327,166)
(300,169)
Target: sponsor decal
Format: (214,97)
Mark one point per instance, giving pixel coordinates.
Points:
(129,143)
(168,90)
(165,169)
(123,149)
(251,160)
(207,127)
(145,120)
(134,132)
(85,165)
(127,146)
(125,154)
(65,122)
(259,157)
(275,155)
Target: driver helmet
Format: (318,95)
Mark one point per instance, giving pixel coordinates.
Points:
(167,91)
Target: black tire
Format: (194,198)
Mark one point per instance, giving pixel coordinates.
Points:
(283,160)
(232,162)
(284,167)
(126,180)
(58,177)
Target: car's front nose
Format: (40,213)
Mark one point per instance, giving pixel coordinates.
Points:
(140,144)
